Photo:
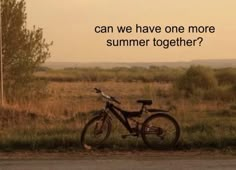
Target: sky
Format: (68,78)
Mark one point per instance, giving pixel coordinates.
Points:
(70,25)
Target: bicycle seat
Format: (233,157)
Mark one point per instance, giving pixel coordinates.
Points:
(145,102)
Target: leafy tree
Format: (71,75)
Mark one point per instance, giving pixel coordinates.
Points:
(24,50)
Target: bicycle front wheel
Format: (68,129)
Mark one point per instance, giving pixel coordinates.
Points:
(160,131)
(95,132)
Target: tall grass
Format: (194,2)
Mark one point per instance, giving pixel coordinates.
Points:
(207,115)
(134,74)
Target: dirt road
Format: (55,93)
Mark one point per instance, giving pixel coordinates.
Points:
(118,161)
(119,165)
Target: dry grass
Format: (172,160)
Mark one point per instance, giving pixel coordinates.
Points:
(72,97)
(56,121)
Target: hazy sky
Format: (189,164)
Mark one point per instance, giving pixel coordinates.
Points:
(70,24)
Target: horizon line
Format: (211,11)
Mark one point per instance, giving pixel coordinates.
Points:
(183,61)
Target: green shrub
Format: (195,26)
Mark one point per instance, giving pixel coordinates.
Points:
(196,80)
(226,76)
(233,89)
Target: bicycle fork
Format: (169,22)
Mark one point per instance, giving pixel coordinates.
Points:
(104,116)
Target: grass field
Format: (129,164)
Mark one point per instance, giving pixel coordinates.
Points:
(55,122)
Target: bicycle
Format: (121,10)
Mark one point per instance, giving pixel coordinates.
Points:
(154,130)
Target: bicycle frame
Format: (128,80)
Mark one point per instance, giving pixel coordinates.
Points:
(121,116)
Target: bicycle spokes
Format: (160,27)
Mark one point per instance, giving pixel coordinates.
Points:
(154,130)
(98,128)
(95,133)
(160,131)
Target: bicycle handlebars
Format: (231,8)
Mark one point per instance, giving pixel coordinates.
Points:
(106,96)
(97,90)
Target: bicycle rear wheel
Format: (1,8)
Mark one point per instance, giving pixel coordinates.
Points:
(95,132)
(160,131)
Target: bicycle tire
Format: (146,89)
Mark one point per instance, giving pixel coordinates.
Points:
(156,145)
(85,131)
